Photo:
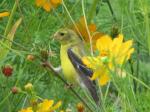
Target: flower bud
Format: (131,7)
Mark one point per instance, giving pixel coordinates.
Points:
(28,86)
(7,70)
(34,102)
(30,57)
(15,90)
(114,31)
(80,107)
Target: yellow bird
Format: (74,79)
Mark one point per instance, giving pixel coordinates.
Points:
(73,69)
(68,39)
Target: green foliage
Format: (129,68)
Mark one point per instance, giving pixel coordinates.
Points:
(35,33)
(6,42)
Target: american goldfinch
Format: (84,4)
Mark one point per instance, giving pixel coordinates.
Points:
(73,69)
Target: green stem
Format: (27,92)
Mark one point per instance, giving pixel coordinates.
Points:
(50,67)
(93,10)
(147,27)
(139,81)
(106,93)
(86,25)
(73,22)
(138,64)
(2,3)
(132,72)
(3,101)
(7,47)
(111,9)
(10,19)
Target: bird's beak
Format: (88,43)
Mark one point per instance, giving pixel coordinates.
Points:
(56,36)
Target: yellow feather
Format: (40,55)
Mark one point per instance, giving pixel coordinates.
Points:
(67,67)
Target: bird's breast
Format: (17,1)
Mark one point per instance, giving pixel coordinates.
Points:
(67,67)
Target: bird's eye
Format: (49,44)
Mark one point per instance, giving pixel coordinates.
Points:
(62,34)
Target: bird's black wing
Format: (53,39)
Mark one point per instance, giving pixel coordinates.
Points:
(84,74)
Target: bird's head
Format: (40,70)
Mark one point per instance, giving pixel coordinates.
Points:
(66,36)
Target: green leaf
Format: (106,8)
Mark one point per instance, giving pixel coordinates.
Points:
(6,43)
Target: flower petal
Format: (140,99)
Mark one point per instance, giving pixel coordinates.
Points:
(92,62)
(29,109)
(125,46)
(56,106)
(56,2)
(116,44)
(47,6)
(124,52)
(40,3)
(104,79)
(4,14)
(45,105)
(95,75)
(92,27)
(103,44)
(129,53)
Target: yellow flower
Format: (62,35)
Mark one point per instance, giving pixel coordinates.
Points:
(4,14)
(111,53)
(47,106)
(48,4)
(29,109)
(102,75)
(100,71)
(103,45)
(117,50)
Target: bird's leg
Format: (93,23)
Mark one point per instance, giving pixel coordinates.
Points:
(56,69)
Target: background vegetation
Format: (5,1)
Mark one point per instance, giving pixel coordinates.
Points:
(131,17)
